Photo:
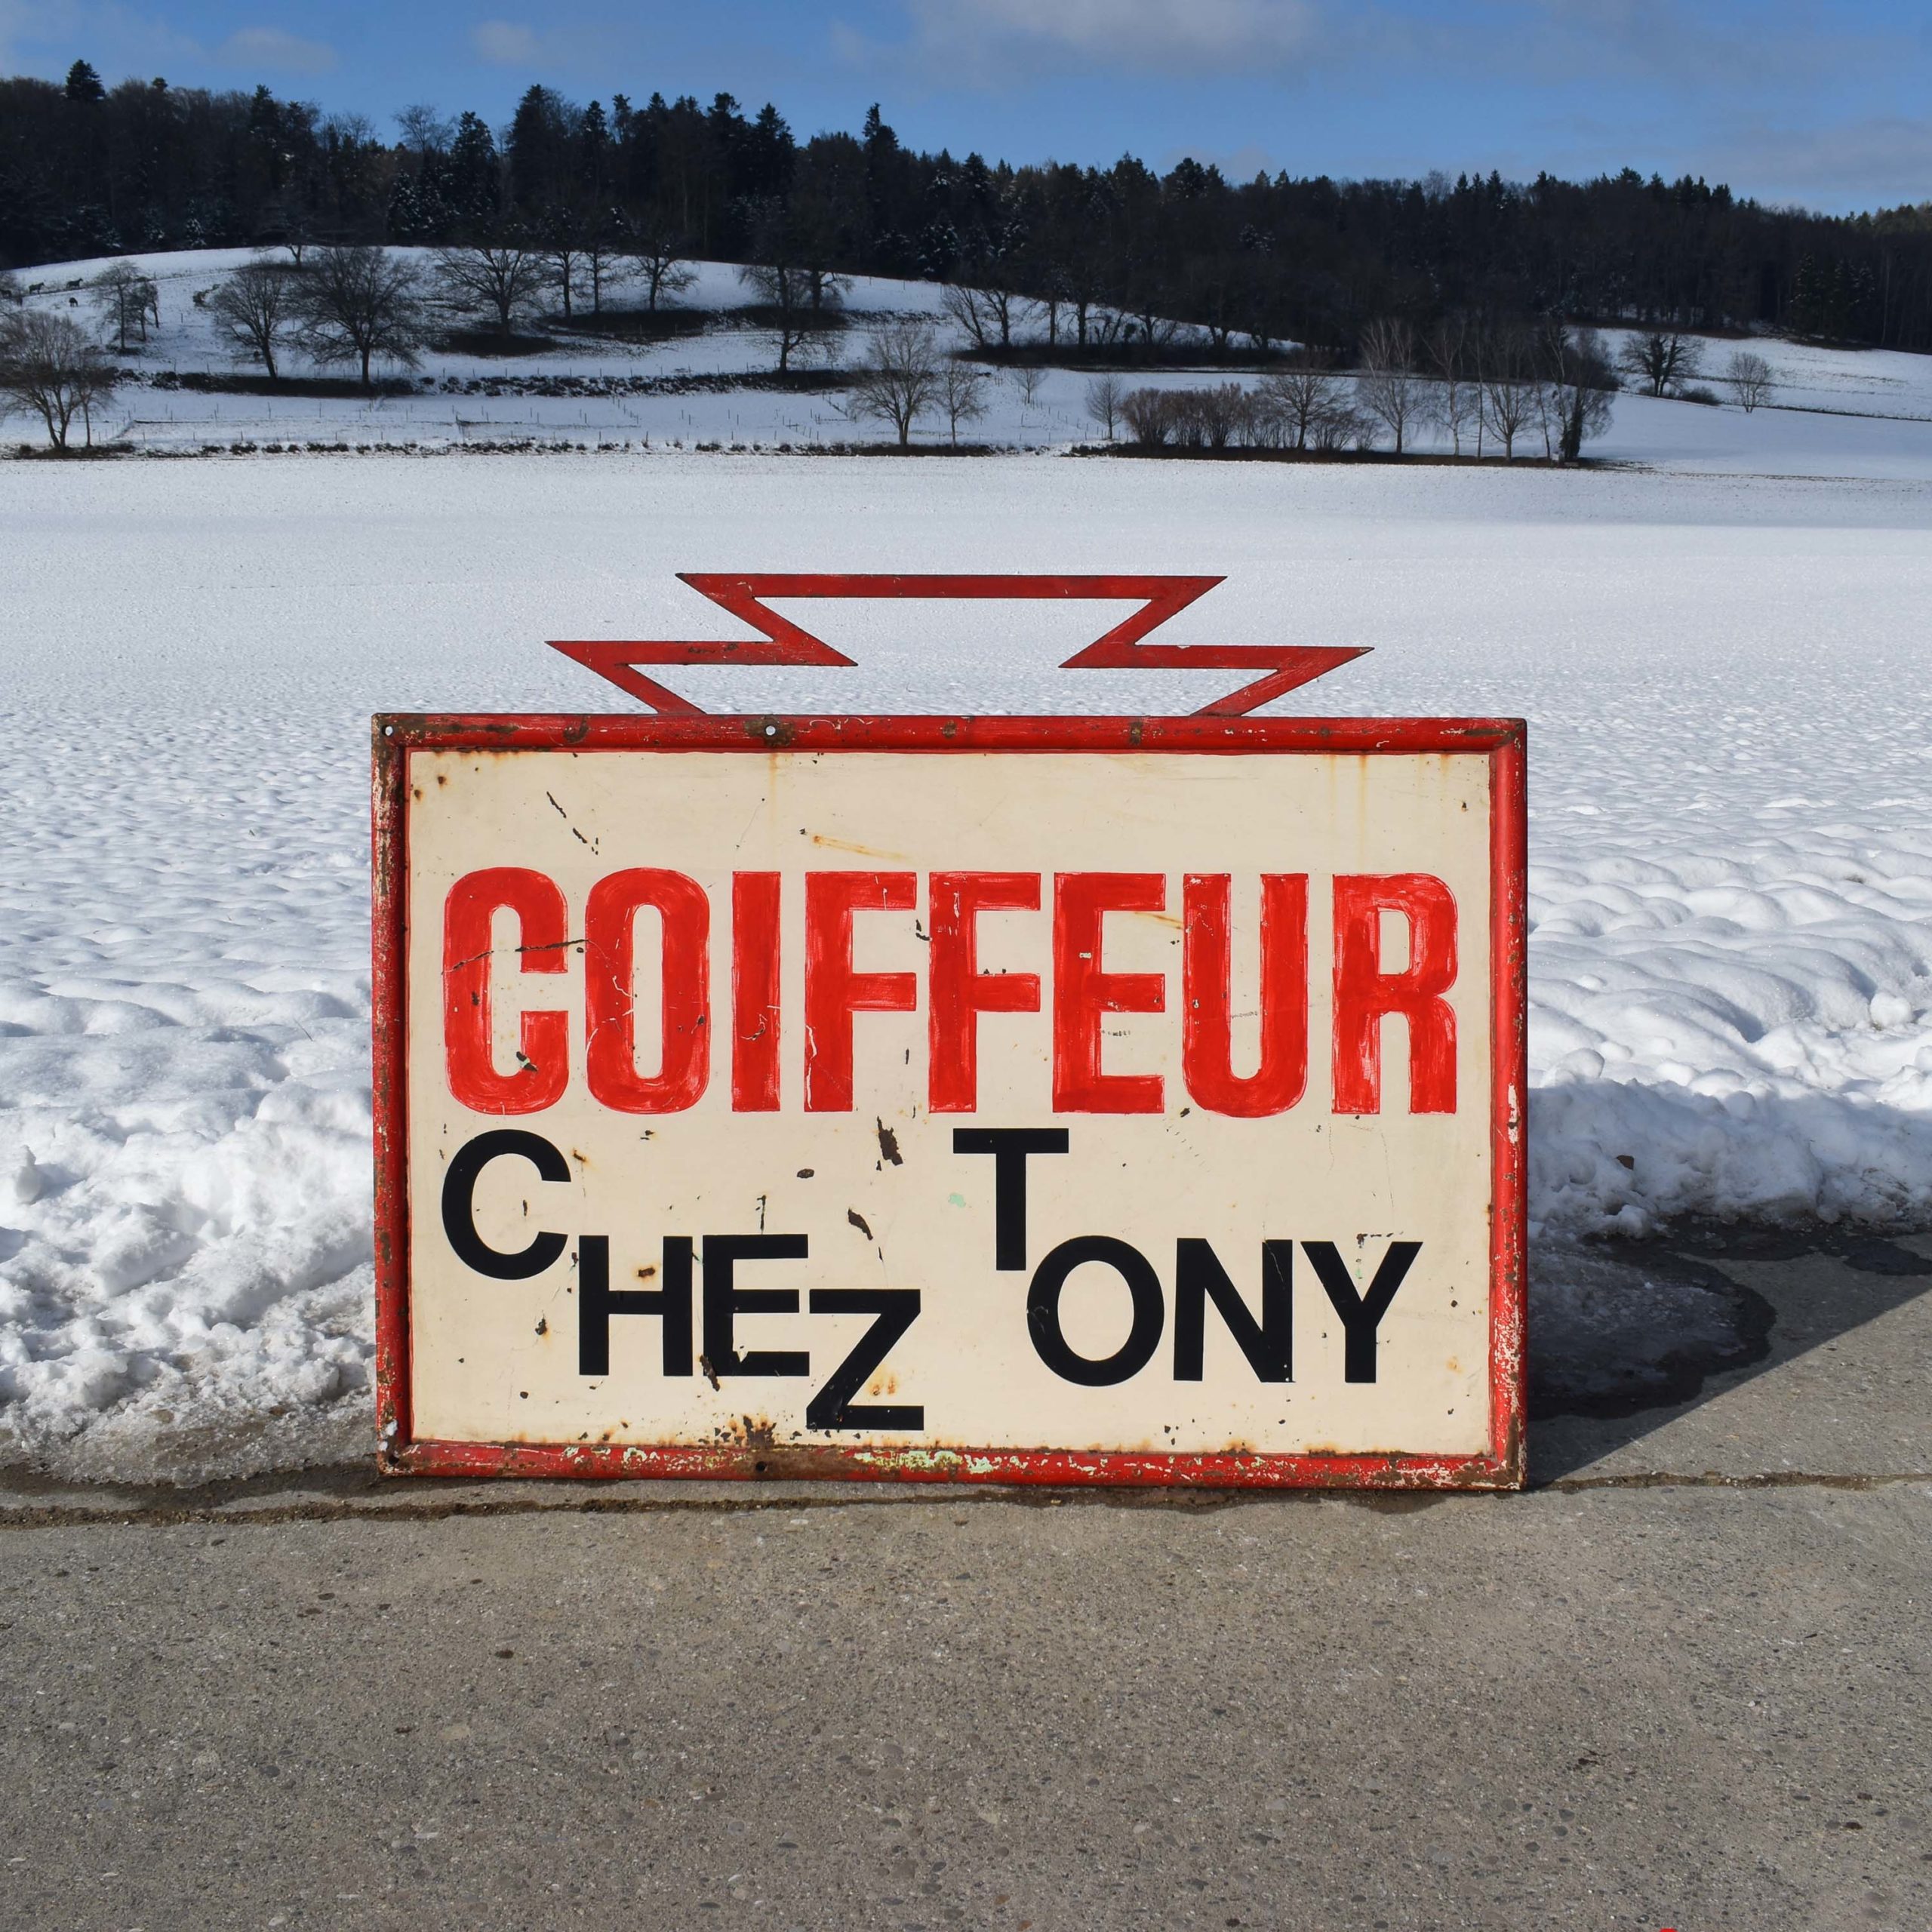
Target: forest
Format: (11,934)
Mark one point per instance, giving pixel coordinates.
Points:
(87,169)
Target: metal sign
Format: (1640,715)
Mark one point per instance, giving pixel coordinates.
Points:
(1272,669)
(1041,1099)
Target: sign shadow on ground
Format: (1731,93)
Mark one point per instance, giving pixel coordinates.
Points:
(1626,1338)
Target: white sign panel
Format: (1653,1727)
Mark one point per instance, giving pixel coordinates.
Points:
(1042,1099)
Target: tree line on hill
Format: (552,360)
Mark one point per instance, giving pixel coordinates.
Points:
(362,304)
(1108,259)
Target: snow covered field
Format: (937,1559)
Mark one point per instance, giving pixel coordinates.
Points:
(1731,700)
(1839,412)
(188,340)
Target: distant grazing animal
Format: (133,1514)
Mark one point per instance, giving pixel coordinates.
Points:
(35,287)
(75,283)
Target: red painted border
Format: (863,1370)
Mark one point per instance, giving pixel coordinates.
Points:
(389,938)
(1504,739)
(1280,667)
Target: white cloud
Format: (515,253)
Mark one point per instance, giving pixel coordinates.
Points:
(43,37)
(1211,36)
(270,50)
(34,33)
(504,43)
(1682,48)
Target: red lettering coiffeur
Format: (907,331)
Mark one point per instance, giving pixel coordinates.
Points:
(1073,993)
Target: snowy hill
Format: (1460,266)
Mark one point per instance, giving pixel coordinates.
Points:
(1835,412)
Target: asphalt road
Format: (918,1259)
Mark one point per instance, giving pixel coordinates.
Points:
(1683,1684)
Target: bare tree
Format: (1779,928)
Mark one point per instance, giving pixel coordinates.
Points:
(829,288)
(1149,415)
(256,307)
(49,367)
(1750,377)
(1458,399)
(1341,427)
(1388,387)
(1028,379)
(423,130)
(786,293)
(1214,418)
(962,305)
(1053,296)
(1104,394)
(1083,271)
(1301,396)
(962,394)
(816,247)
(898,379)
(298,235)
(504,275)
(11,291)
(1577,384)
(1509,387)
(1478,351)
(562,237)
(126,298)
(1149,293)
(660,266)
(1216,286)
(1662,359)
(607,258)
(356,304)
(988,316)
(812,222)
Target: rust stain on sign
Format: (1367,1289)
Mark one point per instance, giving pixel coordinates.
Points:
(853,845)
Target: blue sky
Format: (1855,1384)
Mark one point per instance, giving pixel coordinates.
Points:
(1828,105)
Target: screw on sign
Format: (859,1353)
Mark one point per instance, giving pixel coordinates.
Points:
(1023,1099)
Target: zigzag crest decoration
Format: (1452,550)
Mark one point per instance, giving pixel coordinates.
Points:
(1282,667)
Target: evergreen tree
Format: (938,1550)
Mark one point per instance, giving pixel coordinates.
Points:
(1809,299)
(542,135)
(593,151)
(473,177)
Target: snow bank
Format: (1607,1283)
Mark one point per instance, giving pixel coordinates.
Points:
(184,1164)
(1742,1035)
(1731,832)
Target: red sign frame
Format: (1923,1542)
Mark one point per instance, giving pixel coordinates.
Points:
(1501,1466)
(1273,670)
